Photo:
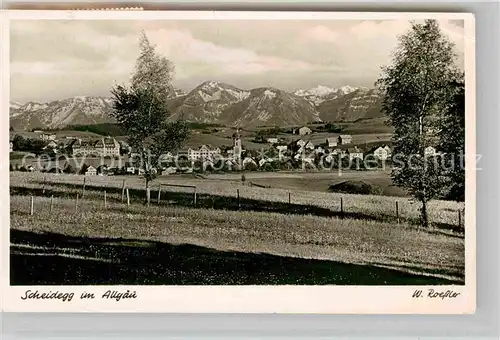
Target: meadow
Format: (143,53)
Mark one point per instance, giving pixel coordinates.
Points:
(165,244)
(260,238)
(228,186)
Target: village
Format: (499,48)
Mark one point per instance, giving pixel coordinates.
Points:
(109,156)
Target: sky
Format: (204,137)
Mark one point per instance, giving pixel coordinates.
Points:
(52,60)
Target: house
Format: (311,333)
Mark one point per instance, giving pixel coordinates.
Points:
(344,139)
(388,149)
(168,171)
(309,146)
(354,153)
(304,131)
(263,161)
(272,140)
(329,158)
(380,153)
(203,153)
(430,151)
(91,171)
(319,150)
(331,142)
(51,145)
(166,158)
(338,152)
(248,161)
(48,137)
(281,148)
(297,146)
(102,147)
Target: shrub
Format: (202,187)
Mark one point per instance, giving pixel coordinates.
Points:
(356,187)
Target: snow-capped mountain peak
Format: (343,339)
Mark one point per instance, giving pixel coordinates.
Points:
(321,90)
(347,89)
(320,93)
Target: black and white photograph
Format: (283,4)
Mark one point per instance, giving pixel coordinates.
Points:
(308,151)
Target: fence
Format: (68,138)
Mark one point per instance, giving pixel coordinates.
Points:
(239,200)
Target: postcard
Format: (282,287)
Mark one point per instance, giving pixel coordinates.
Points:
(238,162)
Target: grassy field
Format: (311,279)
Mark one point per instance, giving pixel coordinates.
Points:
(166,244)
(225,187)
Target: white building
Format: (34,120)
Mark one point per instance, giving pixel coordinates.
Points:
(381,153)
(355,153)
(97,147)
(272,140)
(344,139)
(47,137)
(281,148)
(430,151)
(304,131)
(91,171)
(203,153)
(331,142)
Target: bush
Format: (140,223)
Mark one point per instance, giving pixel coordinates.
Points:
(356,187)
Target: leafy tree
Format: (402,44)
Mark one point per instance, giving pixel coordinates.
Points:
(18,143)
(330,127)
(416,90)
(141,110)
(452,141)
(69,169)
(84,169)
(152,71)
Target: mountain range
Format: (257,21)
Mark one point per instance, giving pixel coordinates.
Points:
(216,102)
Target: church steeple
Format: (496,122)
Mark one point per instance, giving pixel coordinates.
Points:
(237,144)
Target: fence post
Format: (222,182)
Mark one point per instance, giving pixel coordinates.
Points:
(51,202)
(44,181)
(238,195)
(128,199)
(83,192)
(31,205)
(459,219)
(341,207)
(195,196)
(105,202)
(76,204)
(397,211)
(159,193)
(289,198)
(123,190)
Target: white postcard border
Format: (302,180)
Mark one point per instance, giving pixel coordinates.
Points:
(249,299)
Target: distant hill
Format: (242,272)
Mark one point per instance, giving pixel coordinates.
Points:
(214,102)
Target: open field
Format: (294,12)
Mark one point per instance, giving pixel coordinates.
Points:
(381,208)
(164,244)
(315,181)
